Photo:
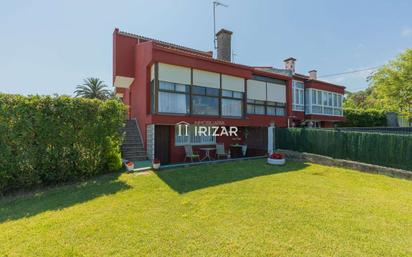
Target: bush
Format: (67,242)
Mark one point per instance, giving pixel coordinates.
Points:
(45,140)
(364,118)
(389,150)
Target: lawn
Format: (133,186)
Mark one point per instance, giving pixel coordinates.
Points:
(244,208)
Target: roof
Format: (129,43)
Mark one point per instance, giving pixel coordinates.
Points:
(224,31)
(209,55)
(205,53)
(290,58)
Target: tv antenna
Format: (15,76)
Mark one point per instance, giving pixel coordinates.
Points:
(216,4)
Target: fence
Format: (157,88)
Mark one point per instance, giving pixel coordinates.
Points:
(389,150)
(389,130)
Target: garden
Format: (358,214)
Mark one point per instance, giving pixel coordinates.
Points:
(245,208)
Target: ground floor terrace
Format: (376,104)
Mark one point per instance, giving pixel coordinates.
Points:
(179,143)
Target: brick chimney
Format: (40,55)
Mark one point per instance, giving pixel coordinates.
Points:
(224,45)
(313,74)
(290,64)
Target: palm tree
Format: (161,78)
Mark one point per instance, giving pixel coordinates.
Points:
(92,88)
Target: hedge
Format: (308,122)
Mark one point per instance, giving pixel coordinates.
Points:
(46,140)
(363,118)
(381,149)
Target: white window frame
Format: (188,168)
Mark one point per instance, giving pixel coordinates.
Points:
(336,107)
(191,139)
(298,96)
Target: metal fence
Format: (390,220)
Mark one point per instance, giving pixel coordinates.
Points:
(389,130)
(385,149)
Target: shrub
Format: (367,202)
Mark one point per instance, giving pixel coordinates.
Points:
(45,140)
(389,150)
(363,118)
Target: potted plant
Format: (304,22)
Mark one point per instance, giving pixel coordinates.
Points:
(156,164)
(129,165)
(276,159)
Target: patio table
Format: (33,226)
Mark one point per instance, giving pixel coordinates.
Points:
(207,153)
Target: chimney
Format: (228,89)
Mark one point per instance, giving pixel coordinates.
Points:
(290,64)
(224,45)
(313,74)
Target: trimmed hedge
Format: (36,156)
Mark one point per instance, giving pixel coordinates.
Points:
(363,118)
(381,149)
(46,140)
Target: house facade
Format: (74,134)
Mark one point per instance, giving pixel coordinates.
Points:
(166,84)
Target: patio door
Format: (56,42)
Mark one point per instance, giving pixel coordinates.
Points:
(257,141)
(162,143)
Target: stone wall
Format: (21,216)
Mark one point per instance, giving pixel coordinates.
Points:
(364,167)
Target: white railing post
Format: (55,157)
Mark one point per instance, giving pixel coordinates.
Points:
(270,138)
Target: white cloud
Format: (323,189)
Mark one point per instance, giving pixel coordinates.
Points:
(406,32)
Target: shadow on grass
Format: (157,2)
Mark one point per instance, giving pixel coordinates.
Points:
(60,197)
(184,180)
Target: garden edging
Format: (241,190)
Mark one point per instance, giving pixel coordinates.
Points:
(360,166)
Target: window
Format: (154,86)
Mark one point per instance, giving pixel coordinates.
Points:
(314,97)
(329,99)
(326,103)
(232,103)
(205,100)
(298,96)
(275,109)
(255,106)
(173,98)
(325,98)
(268,108)
(335,100)
(319,97)
(191,138)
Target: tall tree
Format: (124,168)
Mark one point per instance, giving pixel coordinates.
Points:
(93,88)
(359,100)
(392,84)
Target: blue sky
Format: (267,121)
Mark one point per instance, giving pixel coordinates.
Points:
(48,47)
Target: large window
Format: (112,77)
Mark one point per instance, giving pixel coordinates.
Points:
(232,103)
(205,101)
(265,108)
(173,98)
(323,102)
(191,138)
(298,96)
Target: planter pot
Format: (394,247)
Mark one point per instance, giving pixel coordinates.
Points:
(156,166)
(129,167)
(276,161)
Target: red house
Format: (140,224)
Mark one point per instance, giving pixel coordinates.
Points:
(166,84)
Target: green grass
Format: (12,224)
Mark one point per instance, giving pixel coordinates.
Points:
(244,208)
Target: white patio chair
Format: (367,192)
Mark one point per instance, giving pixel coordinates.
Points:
(190,153)
(220,150)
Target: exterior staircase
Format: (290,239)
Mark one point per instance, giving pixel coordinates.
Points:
(132,147)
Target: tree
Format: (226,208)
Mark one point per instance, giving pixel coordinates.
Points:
(391,85)
(359,100)
(93,88)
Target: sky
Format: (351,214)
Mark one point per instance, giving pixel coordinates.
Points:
(49,47)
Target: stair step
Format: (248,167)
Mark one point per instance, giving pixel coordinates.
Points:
(132,140)
(133,157)
(133,144)
(134,152)
(132,147)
